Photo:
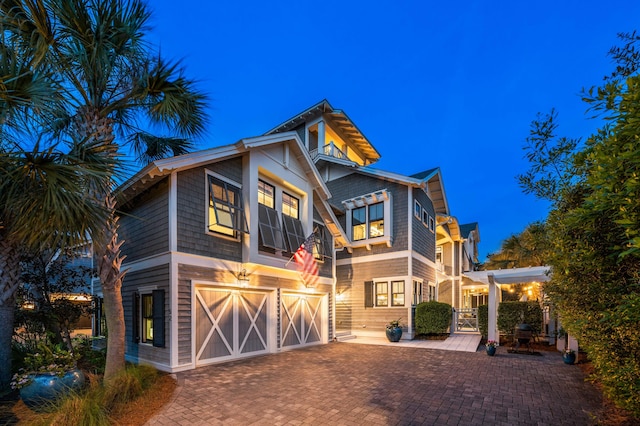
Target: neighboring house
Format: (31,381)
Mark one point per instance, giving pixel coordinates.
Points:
(210,238)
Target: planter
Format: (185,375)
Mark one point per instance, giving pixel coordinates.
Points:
(491,350)
(45,388)
(569,358)
(394,334)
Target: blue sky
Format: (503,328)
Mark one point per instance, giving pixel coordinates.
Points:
(453,85)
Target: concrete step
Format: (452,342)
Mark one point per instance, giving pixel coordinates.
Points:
(342,337)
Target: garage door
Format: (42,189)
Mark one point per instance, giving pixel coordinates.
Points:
(230,324)
(301,320)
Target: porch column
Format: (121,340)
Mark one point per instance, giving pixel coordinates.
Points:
(493,310)
(321,137)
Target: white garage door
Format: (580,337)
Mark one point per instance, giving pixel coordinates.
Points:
(230,324)
(301,320)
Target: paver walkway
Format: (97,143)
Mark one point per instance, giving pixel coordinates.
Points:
(347,384)
(465,342)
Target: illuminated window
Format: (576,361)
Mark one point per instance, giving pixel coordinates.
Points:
(382,294)
(290,205)
(266,194)
(147,318)
(226,215)
(359,223)
(397,293)
(376,220)
(369,218)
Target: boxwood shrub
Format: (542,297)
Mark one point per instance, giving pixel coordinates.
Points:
(483,320)
(433,318)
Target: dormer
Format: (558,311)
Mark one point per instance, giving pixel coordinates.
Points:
(330,136)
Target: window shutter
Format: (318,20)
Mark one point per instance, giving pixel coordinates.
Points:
(135,315)
(158,318)
(368,294)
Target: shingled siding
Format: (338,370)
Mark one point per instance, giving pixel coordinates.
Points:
(355,185)
(350,283)
(424,271)
(424,240)
(192,193)
(159,277)
(444,292)
(145,228)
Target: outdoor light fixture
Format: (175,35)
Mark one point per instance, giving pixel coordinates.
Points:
(243,279)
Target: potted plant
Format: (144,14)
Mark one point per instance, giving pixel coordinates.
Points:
(394,330)
(491,347)
(48,374)
(569,356)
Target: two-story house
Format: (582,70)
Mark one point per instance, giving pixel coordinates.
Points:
(211,237)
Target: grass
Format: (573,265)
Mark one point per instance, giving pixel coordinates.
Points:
(131,399)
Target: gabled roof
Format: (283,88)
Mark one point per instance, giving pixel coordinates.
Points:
(466,229)
(335,118)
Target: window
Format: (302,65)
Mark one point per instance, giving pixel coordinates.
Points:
(417,209)
(290,205)
(266,194)
(376,220)
(382,294)
(432,224)
(417,292)
(149,317)
(226,215)
(433,293)
(323,246)
(369,219)
(425,217)
(359,223)
(397,293)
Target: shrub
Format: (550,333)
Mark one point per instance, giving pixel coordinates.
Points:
(483,320)
(510,314)
(433,318)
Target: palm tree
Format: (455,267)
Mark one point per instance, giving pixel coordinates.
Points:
(529,248)
(43,183)
(119,93)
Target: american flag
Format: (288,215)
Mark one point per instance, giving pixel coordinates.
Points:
(306,262)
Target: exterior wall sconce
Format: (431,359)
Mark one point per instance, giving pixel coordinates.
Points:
(243,279)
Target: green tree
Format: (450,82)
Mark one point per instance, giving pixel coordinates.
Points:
(118,92)
(528,248)
(594,227)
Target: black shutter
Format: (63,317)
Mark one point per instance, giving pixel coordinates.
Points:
(368,294)
(158,318)
(135,315)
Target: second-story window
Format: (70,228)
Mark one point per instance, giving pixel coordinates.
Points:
(359,223)
(369,218)
(268,222)
(291,222)
(226,215)
(376,220)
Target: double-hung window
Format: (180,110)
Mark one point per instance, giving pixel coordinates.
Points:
(268,222)
(149,317)
(369,218)
(382,293)
(226,214)
(433,292)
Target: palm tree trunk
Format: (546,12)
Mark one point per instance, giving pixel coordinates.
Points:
(9,282)
(109,262)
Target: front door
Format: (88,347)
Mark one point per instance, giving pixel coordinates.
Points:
(230,324)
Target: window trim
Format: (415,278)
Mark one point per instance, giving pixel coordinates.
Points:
(432,225)
(237,212)
(417,209)
(388,281)
(381,196)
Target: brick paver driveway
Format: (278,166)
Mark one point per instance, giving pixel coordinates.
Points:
(350,384)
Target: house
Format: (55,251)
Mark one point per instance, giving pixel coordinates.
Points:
(211,237)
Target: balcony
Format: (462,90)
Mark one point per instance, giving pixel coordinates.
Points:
(329,150)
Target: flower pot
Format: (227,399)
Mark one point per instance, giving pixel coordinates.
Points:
(394,334)
(45,388)
(569,358)
(491,350)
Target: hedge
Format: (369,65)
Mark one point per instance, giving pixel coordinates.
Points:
(510,314)
(483,320)
(433,318)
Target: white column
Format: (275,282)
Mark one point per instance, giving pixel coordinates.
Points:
(321,136)
(493,310)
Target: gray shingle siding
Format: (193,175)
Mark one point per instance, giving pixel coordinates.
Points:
(191,220)
(355,185)
(424,240)
(145,227)
(159,277)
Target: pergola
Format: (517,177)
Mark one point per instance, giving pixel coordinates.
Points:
(505,276)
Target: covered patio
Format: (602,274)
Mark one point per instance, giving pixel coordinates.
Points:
(495,278)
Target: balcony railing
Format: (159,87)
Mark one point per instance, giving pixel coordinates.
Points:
(329,150)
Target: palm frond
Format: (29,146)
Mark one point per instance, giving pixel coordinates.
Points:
(148,147)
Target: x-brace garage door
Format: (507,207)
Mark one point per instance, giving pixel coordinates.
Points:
(301,320)
(229,324)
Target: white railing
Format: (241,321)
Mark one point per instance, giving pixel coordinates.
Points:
(330,150)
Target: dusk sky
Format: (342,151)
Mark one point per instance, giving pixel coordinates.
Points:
(453,85)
